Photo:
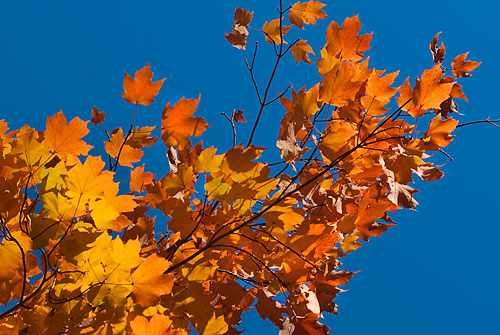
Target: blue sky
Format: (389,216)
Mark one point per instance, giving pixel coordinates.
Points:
(436,272)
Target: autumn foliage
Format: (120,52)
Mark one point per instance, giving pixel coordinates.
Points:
(84,253)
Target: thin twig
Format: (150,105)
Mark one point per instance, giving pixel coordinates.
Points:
(231,121)
(279,55)
(492,122)
(445,153)
(117,158)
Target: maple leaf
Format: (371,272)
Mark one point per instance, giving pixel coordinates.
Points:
(141,90)
(274,32)
(149,282)
(350,243)
(300,52)
(87,181)
(178,124)
(117,148)
(139,137)
(65,138)
(327,62)
(437,52)
(306,13)
(339,85)
(238,116)
(97,117)
(157,325)
(238,38)
(10,255)
(139,179)
(344,43)
(207,161)
(399,194)
(289,149)
(429,92)
(178,182)
(378,93)
(461,67)
(439,131)
(30,146)
(242,17)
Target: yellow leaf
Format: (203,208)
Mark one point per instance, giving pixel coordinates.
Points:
(217,189)
(272,32)
(116,146)
(66,138)
(88,181)
(198,272)
(207,161)
(349,243)
(300,52)
(306,13)
(215,325)
(55,206)
(31,147)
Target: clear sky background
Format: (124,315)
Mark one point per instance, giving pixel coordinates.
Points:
(437,272)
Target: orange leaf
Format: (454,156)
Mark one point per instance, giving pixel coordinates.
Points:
(139,180)
(178,124)
(116,146)
(158,325)
(461,67)
(149,282)
(97,117)
(339,86)
(344,43)
(10,255)
(306,13)
(272,32)
(378,93)
(300,52)
(437,52)
(141,89)
(65,138)
(428,93)
(439,131)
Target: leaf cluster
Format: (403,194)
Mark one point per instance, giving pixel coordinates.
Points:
(80,255)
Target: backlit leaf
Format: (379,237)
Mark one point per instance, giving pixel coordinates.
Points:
(306,13)
(178,124)
(66,138)
(274,33)
(300,52)
(461,67)
(141,90)
(149,282)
